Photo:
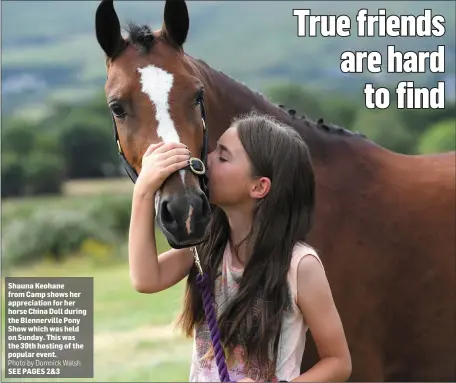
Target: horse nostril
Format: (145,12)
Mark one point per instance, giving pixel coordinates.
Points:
(166,216)
(184,216)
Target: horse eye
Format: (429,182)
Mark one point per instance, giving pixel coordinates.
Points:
(199,97)
(117,110)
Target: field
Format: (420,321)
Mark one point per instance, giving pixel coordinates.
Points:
(76,194)
(134,336)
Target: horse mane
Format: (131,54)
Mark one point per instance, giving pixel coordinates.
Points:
(141,36)
(319,124)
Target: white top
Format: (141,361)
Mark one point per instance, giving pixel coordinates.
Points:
(292,341)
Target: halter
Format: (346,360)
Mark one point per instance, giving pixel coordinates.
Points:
(197,166)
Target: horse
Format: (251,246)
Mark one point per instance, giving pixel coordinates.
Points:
(384,222)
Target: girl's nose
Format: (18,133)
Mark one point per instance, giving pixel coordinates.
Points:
(209,159)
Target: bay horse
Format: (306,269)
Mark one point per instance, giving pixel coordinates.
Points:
(384,222)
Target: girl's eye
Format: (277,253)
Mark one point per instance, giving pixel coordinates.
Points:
(221,159)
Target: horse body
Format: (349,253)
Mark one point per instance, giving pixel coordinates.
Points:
(388,248)
(385,229)
(384,222)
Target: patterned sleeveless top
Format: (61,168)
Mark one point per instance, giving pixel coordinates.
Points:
(293,338)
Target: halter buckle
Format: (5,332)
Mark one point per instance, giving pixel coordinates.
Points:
(194,164)
(204,124)
(118,147)
(197,260)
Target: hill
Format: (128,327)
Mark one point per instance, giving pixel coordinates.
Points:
(49,49)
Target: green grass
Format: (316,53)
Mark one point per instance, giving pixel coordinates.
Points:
(77,194)
(134,340)
(98,187)
(133,334)
(113,293)
(22,207)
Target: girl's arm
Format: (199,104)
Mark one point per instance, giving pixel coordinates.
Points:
(320,313)
(150,273)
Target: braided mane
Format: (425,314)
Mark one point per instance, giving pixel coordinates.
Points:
(320,124)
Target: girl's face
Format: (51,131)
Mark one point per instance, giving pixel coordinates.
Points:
(229,172)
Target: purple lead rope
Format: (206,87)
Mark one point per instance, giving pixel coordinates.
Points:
(203,283)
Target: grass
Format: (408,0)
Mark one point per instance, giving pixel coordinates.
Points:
(134,340)
(75,196)
(100,186)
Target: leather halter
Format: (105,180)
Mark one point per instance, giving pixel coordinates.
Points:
(196,165)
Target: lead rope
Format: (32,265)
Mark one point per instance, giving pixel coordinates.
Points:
(202,280)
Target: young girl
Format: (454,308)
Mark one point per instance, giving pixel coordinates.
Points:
(269,286)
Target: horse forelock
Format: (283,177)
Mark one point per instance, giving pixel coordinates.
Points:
(141,36)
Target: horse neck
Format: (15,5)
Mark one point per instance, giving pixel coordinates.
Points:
(226,98)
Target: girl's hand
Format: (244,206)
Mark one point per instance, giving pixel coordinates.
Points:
(158,163)
(246,380)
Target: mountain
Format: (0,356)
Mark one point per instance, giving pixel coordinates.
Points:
(49,49)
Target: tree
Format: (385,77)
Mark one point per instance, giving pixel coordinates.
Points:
(44,173)
(438,138)
(293,96)
(13,175)
(18,136)
(87,145)
(386,128)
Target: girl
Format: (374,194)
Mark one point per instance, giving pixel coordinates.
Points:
(269,286)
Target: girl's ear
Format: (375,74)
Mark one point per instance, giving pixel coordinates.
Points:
(260,187)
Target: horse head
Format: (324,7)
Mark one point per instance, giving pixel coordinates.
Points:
(154,94)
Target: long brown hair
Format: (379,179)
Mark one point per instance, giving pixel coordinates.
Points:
(253,318)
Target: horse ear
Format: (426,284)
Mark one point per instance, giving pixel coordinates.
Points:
(176,22)
(107,28)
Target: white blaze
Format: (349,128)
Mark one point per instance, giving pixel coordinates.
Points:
(157,84)
(157,197)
